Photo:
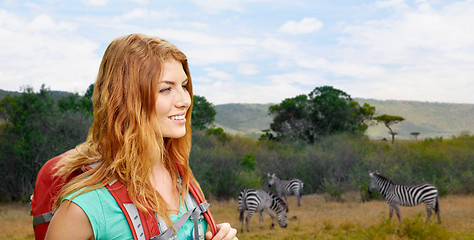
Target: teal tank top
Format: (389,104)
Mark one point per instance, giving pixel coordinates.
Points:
(109,222)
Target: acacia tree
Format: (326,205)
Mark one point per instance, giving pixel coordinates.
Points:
(203,113)
(415,134)
(389,120)
(324,111)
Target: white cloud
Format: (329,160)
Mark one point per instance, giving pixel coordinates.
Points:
(389,4)
(148,15)
(418,49)
(247,69)
(46,23)
(306,25)
(415,53)
(203,48)
(300,78)
(212,6)
(219,75)
(279,46)
(33,54)
(220,92)
(141,1)
(96,3)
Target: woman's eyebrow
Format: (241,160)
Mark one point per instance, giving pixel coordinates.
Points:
(174,82)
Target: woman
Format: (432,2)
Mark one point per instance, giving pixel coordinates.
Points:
(141,134)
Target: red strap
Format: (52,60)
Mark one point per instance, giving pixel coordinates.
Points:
(149,222)
(200,199)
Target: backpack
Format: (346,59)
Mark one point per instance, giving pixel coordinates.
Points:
(143,225)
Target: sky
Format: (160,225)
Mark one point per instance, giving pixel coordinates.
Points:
(253,51)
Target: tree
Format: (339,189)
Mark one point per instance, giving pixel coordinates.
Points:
(89,92)
(389,120)
(334,111)
(28,117)
(415,134)
(291,121)
(74,103)
(203,113)
(322,112)
(34,130)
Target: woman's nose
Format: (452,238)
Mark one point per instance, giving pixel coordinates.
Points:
(184,99)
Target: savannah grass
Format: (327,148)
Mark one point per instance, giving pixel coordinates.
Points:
(319,217)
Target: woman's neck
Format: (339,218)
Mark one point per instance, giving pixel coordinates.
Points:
(165,185)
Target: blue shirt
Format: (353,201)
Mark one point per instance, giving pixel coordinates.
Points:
(109,222)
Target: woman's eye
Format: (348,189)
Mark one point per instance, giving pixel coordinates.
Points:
(165,90)
(185,86)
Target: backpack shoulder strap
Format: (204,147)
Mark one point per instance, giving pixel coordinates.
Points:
(195,213)
(193,189)
(143,225)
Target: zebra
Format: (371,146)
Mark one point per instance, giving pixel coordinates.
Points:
(258,201)
(399,195)
(286,187)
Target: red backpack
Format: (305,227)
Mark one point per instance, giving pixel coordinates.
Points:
(143,225)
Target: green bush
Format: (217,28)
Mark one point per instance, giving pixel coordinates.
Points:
(334,164)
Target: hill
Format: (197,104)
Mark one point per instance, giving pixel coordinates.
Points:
(244,119)
(430,119)
(55,94)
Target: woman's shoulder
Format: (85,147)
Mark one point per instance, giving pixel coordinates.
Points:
(104,213)
(89,194)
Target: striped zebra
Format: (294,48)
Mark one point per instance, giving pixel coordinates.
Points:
(258,201)
(286,187)
(399,195)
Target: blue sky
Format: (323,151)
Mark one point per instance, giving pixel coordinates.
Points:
(254,51)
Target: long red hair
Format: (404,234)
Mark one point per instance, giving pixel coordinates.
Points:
(122,137)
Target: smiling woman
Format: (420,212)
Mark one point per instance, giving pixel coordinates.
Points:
(136,153)
(173,100)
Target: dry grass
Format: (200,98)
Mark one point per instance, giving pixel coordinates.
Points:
(316,218)
(15,221)
(323,219)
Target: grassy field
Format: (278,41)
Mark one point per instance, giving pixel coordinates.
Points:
(317,218)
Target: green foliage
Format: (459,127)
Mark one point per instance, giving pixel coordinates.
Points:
(388,121)
(218,132)
(334,165)
(247,176)
(249,162)
(203,113)
(35,130)
(75,103)
(328,186)
(248,179)
(291,120)
(322,112)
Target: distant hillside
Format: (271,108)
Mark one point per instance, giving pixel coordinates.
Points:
(244,119)
(55,94)
(3,93)
(427,118)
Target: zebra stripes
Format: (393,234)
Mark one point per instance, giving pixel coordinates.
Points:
(258,201)
(399,195)
(286,187)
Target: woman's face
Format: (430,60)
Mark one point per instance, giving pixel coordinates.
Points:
(173,100)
